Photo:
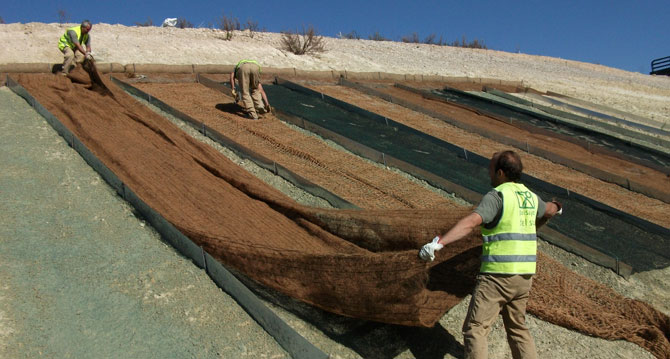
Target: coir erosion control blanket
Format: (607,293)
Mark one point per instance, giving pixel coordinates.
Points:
(357,263)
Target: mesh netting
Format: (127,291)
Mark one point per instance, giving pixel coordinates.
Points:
(593,137)
(356,263)
(603,228)
(594,309)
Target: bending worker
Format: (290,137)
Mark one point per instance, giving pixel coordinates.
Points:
(248,75)
(508,215)
(74,39)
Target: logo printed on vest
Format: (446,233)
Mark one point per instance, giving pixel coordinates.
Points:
(525,199)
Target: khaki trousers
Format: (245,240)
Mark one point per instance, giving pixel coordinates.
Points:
(248,76)
(493,295)
(71,57)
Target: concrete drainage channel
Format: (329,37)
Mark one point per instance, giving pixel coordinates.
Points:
(288,338)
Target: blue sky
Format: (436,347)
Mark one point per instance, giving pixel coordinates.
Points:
(617,33)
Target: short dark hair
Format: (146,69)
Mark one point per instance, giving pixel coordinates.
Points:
(510,163)
(86,23)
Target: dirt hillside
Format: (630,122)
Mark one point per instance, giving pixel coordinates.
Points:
(640,94)
(643,95)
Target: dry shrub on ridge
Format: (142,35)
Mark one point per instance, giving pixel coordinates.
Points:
(353,35)
(182,23)
(63,17)
(252,26)
(475,44)
(377,37)
(228,25)
(306,42)
(149,22)
(412,39)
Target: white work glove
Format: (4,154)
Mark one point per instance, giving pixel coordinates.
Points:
(234,93)
(427,252)
(89,57)
(560,207)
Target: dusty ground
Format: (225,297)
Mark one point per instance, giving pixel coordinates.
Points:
(640,94)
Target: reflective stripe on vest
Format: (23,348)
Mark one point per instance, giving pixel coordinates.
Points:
(511,246)
(65,39)
(244,62)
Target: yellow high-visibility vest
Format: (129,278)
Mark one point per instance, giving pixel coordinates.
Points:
(65,39)
(511,246)
(247,61)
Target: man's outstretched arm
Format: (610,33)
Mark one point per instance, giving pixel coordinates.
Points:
(460,230)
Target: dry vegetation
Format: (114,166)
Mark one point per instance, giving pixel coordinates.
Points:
(308,41)
(182,23)
(299,43)
(63,16)
(377,37)
(149,22)
(305,42)
(432,40)
(414,38)
(228,25)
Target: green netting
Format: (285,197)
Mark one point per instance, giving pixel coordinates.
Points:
(640,154)
(641,244)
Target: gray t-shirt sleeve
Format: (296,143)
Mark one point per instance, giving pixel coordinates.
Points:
(541,207)
(75,40)
(491,204)
(73,36)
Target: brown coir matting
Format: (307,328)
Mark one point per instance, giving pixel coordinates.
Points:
(357,263)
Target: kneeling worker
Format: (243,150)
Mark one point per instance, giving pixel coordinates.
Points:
(74,39)
(248,75)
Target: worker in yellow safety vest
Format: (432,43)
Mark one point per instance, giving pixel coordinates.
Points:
(254,99)
(75,39)
(509,216)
